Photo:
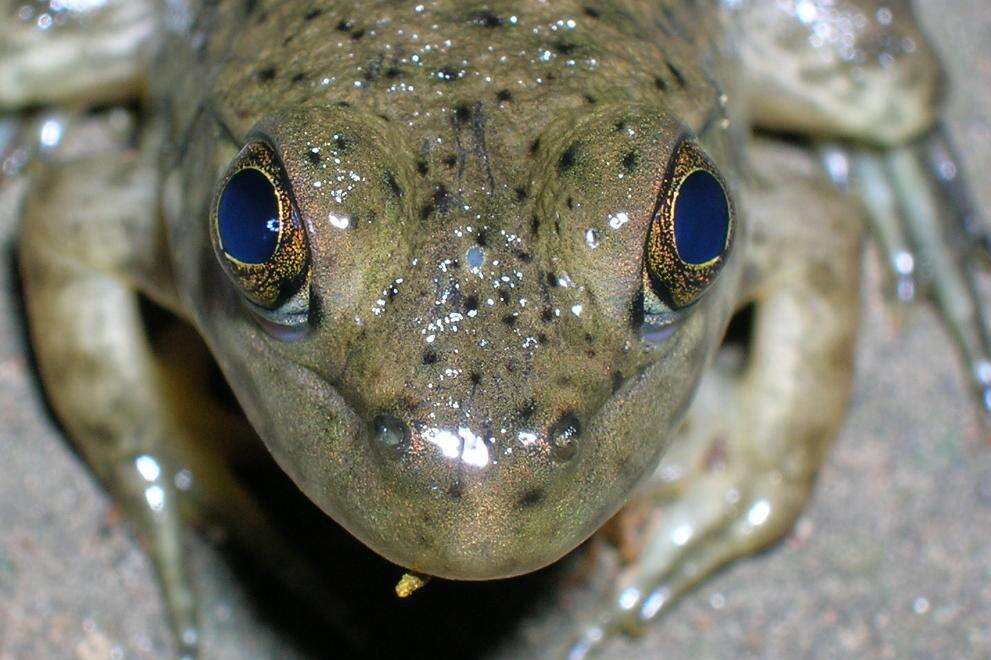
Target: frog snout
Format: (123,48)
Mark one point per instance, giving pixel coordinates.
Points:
(475,494)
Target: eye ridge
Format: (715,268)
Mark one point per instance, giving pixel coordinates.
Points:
(270,282)
(675,280)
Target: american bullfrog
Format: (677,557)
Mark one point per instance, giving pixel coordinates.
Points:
(467,266)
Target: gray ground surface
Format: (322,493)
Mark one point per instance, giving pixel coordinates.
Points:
(892,559)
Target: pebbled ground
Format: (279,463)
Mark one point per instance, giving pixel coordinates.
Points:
(892,559)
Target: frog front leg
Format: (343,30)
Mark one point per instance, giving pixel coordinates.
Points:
(742,468)
(91,240)
(860,79)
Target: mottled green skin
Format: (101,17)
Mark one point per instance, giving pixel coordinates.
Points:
(466,128)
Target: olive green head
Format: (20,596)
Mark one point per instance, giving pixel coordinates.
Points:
(464,292)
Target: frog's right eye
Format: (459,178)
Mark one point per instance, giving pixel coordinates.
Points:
(256,229)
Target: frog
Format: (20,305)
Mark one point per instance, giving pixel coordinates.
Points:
(468,266)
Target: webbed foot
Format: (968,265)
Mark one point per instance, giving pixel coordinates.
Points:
(929,230)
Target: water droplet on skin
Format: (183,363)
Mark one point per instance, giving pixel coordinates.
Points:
(475,257)
(563,437)
(592,238)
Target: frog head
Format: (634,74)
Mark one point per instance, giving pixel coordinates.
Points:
(467,335)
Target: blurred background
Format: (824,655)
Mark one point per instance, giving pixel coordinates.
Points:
(892,558)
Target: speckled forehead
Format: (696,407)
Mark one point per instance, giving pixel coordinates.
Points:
(419,62)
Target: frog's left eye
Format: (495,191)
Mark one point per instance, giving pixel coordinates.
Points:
(256,228)
(692,230)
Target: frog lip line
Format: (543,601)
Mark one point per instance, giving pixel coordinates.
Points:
(461,442)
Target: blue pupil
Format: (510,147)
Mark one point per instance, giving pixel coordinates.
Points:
(701,218)
(248,217)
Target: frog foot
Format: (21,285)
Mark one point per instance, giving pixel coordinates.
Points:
(932,237)
(723,515)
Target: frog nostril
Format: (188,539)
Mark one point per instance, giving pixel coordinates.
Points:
(391,433)
(564,437)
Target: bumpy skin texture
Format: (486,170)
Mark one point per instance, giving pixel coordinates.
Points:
(501,130)
(470,393)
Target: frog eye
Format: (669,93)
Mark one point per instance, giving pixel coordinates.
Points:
(256,229)
(692,230)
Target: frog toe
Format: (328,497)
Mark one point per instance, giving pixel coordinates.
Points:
(950,242)
(724,515)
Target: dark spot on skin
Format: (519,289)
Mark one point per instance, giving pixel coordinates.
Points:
(429,357)
(509,319)
(462,113)
(475,378)
(531,498)
(345,26)
(487,19)
(504,297)
(534,225)
(630,162)
(542,338)
(521,193)
(313,13)
(250,6)
(592,12)
(299,77)
(551,279)
(660,83)
(455,490)
(482,238)
(620,125)
(590,99)
(565,47)
(504,96)
(394,187)
(679,78)
(525,257)
(358,34)
(526,410)
(422,167)
(343,104)
(393,72)
(450,160)
(547,315)
(342,143)
(570,203)
(313,157)
(617,381)
(534,146)
(426,211)
(471,303)
(267,74)
(567,160)
(442,198)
